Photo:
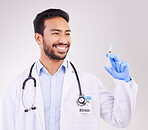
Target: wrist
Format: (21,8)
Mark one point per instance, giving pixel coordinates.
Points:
(128,79)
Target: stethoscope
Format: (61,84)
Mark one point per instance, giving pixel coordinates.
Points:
(81,101)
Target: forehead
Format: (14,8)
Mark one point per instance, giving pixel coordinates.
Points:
(56,23)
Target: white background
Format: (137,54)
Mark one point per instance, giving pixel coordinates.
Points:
(94,23)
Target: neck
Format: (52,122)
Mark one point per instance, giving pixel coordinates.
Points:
(51,65)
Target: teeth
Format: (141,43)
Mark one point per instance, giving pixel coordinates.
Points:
(61,48)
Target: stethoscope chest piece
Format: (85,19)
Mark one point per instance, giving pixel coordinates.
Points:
(81,101)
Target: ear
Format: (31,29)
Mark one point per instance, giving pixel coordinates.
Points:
(38,38)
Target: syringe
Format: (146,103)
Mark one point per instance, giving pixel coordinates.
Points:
(109,52)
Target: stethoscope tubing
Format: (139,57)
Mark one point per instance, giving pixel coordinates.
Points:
(81,100)
(79,85)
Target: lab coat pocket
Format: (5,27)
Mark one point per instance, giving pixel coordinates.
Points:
(31,120)
(87,117)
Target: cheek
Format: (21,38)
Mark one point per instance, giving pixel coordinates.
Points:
(51,40)
(69,40)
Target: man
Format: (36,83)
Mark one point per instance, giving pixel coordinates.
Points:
(52,97)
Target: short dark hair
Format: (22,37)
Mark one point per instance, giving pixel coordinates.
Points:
(47,14)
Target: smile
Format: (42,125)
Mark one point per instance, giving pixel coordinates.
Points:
(61,47)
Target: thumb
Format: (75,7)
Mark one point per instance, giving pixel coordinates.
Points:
(109,70)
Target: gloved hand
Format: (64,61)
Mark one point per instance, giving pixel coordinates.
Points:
(119,69)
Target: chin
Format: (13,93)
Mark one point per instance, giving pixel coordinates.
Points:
(60,57)
(57,57)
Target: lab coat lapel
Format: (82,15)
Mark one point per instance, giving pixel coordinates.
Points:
(69,80)
(39,100)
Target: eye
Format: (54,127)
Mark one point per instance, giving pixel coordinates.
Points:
(55,33)
(68,34)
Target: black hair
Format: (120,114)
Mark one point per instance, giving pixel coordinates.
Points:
(47,14)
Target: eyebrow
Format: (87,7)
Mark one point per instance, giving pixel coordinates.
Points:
(59,30)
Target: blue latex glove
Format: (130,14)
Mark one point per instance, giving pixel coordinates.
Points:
(119,69)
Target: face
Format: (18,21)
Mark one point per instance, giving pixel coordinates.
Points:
(56,38)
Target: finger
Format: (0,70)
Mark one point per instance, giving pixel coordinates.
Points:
(113,65)
(118,66)
(123,66)
(109,70)
(113,58)
(107,54)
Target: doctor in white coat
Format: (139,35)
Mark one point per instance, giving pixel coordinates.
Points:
(28,106)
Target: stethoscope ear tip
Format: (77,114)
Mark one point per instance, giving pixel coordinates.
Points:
(26,110)
(33,108)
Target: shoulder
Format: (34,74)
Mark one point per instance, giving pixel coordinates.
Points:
(83,74)
(88,78)
(24,74)
(15,85)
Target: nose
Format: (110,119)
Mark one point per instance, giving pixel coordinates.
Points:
(62,39)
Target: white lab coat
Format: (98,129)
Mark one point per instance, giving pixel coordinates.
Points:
(116,110)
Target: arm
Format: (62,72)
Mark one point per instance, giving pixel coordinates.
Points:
(8,110)
(118,109)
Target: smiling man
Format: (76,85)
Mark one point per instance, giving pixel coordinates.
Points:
(58,38)
(53,95)
(54,41)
